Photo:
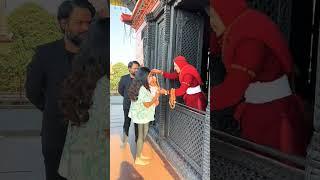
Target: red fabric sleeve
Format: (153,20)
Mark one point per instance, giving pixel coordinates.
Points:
(167,75)
(249,54)
(185,84)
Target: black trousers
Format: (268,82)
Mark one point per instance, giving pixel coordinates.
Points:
(52,156)
(52,146)
(126,125)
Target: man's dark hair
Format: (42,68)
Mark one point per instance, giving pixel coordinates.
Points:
(141,79)
(66,7)
(133,62)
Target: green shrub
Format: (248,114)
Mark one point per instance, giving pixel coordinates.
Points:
(31,26)
(118,70)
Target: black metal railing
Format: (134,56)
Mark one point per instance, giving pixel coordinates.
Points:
(186,134)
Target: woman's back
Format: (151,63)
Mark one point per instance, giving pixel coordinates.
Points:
(86,148)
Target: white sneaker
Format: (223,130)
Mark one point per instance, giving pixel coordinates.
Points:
(145,157)
(141,162)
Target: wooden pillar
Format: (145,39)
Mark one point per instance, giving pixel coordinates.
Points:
(206,145)
(313,156)
(163,62)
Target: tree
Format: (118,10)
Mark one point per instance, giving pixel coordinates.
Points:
(31,26)
(118,70)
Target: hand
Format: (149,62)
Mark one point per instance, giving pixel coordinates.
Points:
(163,91)
(157,94)
(101,6)
(156,71)
(156,103)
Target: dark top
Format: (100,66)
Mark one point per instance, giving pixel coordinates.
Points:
(45,74)
(123,86)
(49,67)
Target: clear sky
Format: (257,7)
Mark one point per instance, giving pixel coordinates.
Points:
(122,37)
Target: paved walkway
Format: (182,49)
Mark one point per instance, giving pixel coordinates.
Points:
(20,145)
(121,160)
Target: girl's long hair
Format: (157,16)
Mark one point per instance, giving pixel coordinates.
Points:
(88,66)
(140,79)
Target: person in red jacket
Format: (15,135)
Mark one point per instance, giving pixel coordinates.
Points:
(190,81)
(258,69)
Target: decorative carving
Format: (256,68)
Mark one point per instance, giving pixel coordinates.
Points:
(164,25)
(206,142)
(183,146)
(234,163)
(145,51)
(284,20)
(167,132)
(155,63)
(167,19)
(139,15)
(154,15)
(149,17)
(189,29)
(313,158)
(278,11)
(180,163)
(177,3)
(163,2)
(187,135)
(189,32)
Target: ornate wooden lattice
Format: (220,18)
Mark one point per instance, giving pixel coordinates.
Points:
(240,164)
(278,11)
(187,135)
(189,32)
(184,148)
(156,63)
(313,157)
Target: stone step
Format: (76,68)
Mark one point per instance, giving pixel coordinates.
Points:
(20,120)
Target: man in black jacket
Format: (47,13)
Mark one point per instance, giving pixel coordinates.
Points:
(123,86)
(45,74)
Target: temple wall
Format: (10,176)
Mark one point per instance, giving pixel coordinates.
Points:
(139,41)
(139,44)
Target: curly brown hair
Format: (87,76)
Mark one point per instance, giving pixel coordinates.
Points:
(90,65)
(140,79)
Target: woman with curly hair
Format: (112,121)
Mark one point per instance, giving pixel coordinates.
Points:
(142,109)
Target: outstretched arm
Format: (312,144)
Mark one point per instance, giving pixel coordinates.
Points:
(166,75)
(185,84)
(153,101)
(172,76)
(248,61)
